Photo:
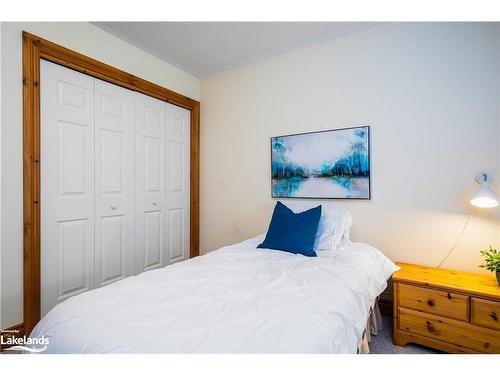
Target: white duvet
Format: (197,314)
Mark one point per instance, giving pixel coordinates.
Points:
(237,299)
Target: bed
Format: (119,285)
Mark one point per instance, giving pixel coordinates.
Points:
(238,299)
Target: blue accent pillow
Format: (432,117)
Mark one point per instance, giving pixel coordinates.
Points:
(291,232)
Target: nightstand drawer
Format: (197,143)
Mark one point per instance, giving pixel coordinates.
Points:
(451,305)
(448,330)
(485,313)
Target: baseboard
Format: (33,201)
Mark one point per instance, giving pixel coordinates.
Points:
(14,331)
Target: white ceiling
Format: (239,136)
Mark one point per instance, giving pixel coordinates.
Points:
(205,48)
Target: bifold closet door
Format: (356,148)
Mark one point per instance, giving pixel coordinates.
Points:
(67,184)
(115,177)
(151,250)
(114,183)
(162,183)
(178,176)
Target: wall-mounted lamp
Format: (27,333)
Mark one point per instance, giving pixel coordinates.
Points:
(484,196)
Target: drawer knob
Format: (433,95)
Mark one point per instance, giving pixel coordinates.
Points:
(430,303)
(494,316)
(430,327)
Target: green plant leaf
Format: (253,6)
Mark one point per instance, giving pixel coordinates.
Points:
(491,259)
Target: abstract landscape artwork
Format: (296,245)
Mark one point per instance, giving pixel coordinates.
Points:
(325,164)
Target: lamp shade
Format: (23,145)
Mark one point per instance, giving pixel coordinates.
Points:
(484,196)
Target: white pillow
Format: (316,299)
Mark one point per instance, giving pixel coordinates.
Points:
(333,227)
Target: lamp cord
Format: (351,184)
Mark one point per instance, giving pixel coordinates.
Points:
(459,237)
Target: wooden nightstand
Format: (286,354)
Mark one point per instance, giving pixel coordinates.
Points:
(452,311)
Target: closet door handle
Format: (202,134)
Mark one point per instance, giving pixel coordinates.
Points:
(113,207)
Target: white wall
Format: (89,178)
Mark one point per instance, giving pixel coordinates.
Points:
(498,176)
(429,93)
(1,125)
(88,40)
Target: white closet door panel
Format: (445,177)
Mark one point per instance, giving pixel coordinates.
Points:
(113,248)
(178,174)
(115,183)
(67,183)
(72,266)
(154,239)
(151,249)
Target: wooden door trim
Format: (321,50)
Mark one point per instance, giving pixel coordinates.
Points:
(35,49)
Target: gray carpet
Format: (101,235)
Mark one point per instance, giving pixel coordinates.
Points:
(382,343)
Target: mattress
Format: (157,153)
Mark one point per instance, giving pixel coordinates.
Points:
(238,299)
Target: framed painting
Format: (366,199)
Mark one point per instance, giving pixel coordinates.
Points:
(331,164)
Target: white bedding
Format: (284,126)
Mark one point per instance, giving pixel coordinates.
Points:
(237,299)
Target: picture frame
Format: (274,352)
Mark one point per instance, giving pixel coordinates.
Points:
(325,164)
